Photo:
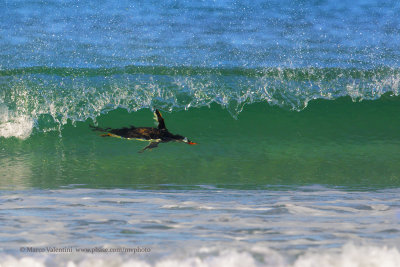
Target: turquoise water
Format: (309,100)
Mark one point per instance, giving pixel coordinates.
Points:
(294,106)
(329,143)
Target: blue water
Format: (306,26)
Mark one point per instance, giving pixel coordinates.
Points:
(294,104)
(361,34)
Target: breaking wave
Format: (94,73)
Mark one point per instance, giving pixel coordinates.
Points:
(349,255)
(48,98)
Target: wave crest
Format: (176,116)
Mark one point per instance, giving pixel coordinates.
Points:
(50,97)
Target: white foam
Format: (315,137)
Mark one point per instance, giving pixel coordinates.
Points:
(10,261)
(13,125)
(349,255)
(352,256)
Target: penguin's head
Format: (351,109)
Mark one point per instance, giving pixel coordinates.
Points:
(185,140)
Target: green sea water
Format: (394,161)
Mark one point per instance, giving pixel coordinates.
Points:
(339,142)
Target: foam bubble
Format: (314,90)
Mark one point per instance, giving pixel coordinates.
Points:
(352,255)
(12,125)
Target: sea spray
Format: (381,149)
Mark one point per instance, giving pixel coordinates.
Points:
(14,125)
(50,97)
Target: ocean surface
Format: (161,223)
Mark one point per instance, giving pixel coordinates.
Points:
(295,106)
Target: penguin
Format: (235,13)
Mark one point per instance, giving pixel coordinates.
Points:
(151,134)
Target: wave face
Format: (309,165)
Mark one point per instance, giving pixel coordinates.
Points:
(50,97)
(334,142)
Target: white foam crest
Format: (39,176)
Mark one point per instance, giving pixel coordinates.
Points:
(224,258)
(349,255)
(352,256)
(84,97)
(13,125)
(10,261)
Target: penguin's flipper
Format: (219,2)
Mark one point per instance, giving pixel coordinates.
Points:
(94,128)
(160,119)
(149,146)
(110,135)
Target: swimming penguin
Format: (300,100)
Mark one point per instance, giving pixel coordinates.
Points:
(151,134)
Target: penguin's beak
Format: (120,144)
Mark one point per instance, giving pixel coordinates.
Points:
(187,141)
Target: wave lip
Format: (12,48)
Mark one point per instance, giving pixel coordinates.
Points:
(59,95)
